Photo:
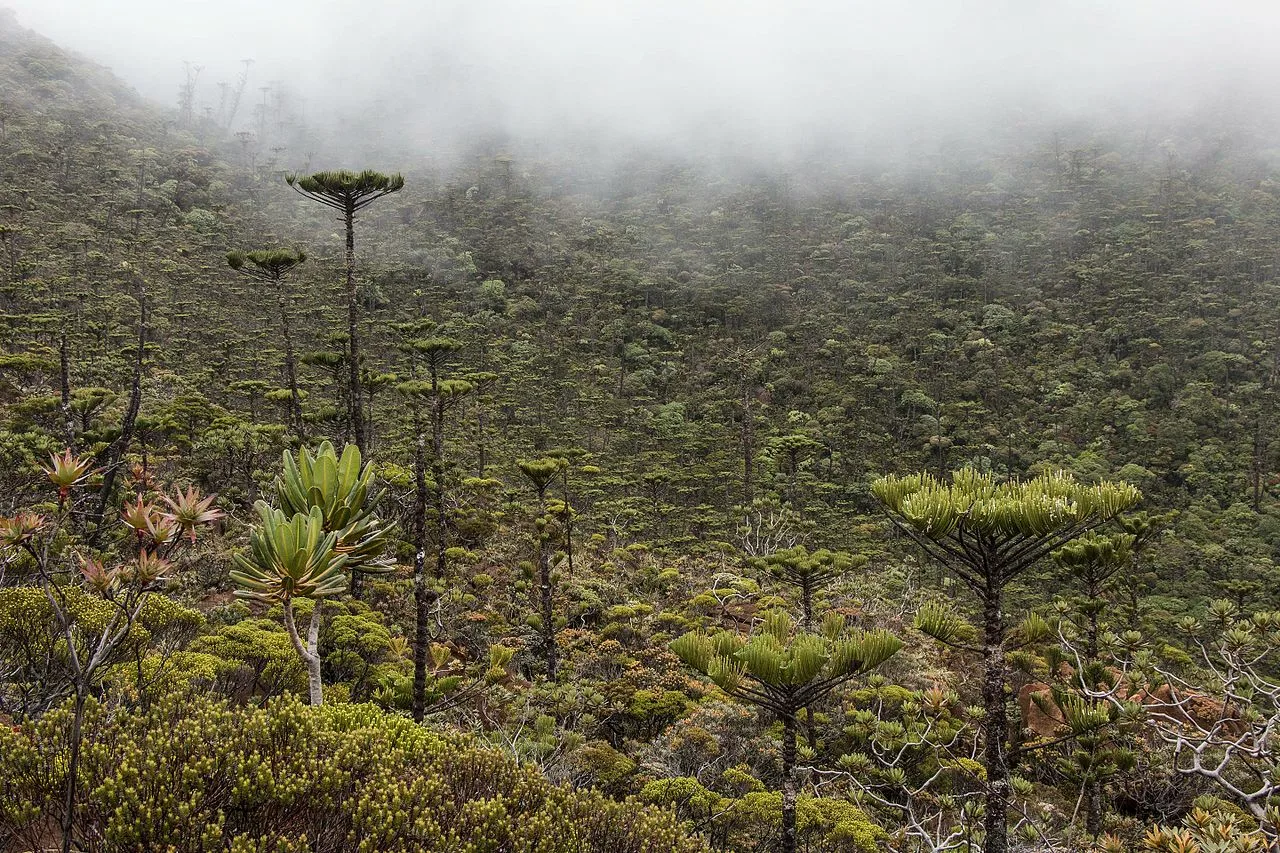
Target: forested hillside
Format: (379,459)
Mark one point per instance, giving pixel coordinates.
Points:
(684,506)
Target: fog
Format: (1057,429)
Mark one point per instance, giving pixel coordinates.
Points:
(764,79)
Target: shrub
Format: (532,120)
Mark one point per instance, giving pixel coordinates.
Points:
(194,775)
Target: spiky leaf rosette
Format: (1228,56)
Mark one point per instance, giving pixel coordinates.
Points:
(779,668)
(340,489)
(289,557)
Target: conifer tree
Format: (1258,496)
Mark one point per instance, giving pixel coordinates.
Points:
(349,193)
(1095,561)
(439,394)
(988,533)
(112,457)
(541,474)
(273,266)
(783,670)
(808,572)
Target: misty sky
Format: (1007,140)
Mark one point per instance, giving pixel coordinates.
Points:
(688,69)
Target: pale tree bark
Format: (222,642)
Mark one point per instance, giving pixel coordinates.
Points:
(310,651)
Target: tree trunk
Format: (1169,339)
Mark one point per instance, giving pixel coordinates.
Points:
(310,652)
(290,363)
(313,658)
(995,727)
(115,452)
(482,455)
(73,768)
(788,783)
(1091,634)
(568,526)
(748,444)
(353,317)
(64,377)
(545,593)
(806,590)
(422,598)
(1093,808)
(437,473)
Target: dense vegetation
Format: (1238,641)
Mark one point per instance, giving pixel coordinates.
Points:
(674,507)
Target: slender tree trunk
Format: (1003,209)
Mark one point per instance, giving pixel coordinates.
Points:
(437,473)
(1259,461)
(353,318)
(422,594)
(1092,787)
(290,363)
(806,589)
(1091,635)
(482,452)
(310,651)
(115,452)
(73,768)
(995,725)
(313,658)
(568,526)
(64,382)
(545,593)
(748,445)
(788,783)
(1093,808)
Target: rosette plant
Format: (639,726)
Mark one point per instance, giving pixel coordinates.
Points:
(340,488)
(291,558)
(93,616)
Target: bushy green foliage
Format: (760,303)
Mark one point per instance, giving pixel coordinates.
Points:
(199,775)
(753,816)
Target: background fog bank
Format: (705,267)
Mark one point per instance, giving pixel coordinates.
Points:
(761,78)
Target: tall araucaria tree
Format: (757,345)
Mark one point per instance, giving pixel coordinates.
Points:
(273,266)
(541,473)
(988,533)
(810,571)
(784,670)
(440,395)
(349,193)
